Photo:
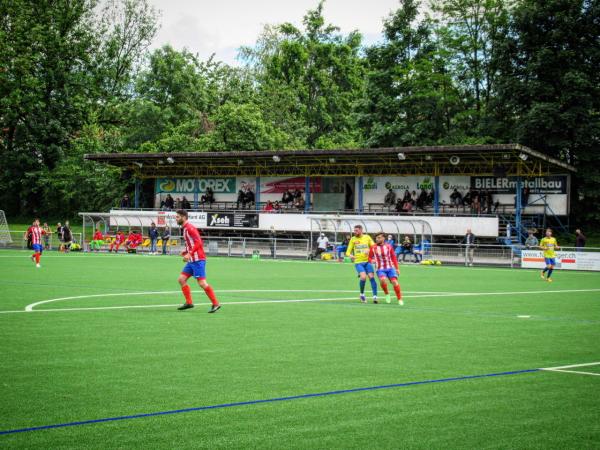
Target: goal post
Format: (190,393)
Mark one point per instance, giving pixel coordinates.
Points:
(5,237)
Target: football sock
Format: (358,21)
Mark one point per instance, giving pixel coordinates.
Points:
(211,295)
(187,293)
(361,285)
(385,288)
(545,269)
(550,272)
(398,292)
(374,286)
(37,258)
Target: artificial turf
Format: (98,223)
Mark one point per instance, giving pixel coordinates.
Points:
(82,364)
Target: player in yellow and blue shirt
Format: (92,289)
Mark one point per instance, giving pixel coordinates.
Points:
(358,249)
(549,246)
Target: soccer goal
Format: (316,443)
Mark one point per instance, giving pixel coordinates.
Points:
(5,238)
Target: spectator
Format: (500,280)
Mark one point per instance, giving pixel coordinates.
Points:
(153,234)
(579,240)
(277,207)
(165,236)
(349,197)
(97,241)
(399,205)
(476,203)
(531,241)
(525,197)
(418,251)
(300,203)
(178,203)
(406,248)
(117,242)
(297,194)
(407,207)
(413,199)
(390,240)
(67,237)
(208,197)
(249,197)
(169,202)
(469,241)
(390,198)
(489,201)
(430,197)
(287,197)
(125,202)
(341,249)
(422,200)
(456,198)
(468,198)
(322,244)
(241,198)
(185,204)
(268,207)
(46,236)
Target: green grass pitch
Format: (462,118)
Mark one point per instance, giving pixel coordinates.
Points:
(117,346)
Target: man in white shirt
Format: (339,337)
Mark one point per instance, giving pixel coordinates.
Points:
(322,244)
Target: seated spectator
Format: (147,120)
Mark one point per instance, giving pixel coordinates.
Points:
(125,202)
(531,241)
(322,244)
(468,198)
(287,197)
(418,252)
(430,197)
(97,241)
(406,248)
(476,203)
(456,198)
(341,249)
(407,197)
(407,207)
(390,198)
(277,207)
(117,242)
(413,198)
(133,240)
(169,202)
(185,204)
(208,197)
(297,194)
(422,200)
(268,207)
(300,203)
(399,205)
(390,240)
(178,203)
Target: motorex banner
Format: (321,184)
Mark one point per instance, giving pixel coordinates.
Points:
(195,185)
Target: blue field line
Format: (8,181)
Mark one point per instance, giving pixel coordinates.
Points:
(268,400)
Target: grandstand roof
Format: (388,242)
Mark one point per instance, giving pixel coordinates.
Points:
(509,159)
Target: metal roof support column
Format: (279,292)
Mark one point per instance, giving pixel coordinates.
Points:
(136,197)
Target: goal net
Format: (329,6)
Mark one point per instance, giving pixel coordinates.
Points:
(5,238)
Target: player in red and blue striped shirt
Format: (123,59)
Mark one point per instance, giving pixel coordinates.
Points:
(35,233)
(195,258)
(383,255)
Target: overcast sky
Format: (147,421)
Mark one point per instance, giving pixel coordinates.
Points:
(222,26)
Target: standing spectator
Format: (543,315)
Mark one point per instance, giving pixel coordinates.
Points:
(178,203)
(468,198)
(241,198)
(489,201)
(153,234)
(249,197)
(456,198)
(169,202)
(67,237)
(469,241)
(125,202)
(430,197)
(97,241)
(525,197)
(422,200)
(185,203)
(322,244)
(390,198)
(579,240)
(531,241)
(287,197)
(60,233)
(208,197)
(165,236)
(46,236)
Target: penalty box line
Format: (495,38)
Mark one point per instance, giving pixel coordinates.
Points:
(268,400)
(563,369)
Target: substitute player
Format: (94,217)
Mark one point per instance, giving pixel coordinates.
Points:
(384,256)
(358,250)
(549,246)
(195,258)
(117,242)
(35,233)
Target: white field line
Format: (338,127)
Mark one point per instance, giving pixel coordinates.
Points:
(572,371)
(573,366)
(30,307)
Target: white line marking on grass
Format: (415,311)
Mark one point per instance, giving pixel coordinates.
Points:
(524,317)
(30,307)
(572,371)
(573,366)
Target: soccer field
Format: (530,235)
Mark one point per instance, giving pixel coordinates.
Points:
(104,360)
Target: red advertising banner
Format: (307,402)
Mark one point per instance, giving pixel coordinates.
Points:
(279,186)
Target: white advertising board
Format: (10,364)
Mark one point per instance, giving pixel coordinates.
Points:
(569,260)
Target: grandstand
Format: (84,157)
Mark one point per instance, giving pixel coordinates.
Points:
(519,188)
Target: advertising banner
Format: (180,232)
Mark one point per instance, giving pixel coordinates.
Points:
(195,185)
(569,260)
(270,185)
(507,185)
(232,220)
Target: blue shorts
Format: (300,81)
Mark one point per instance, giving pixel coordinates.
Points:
(37,248)
(389,273)
(366,267)
(195,269)
(550,261)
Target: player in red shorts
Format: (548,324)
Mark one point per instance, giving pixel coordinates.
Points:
(133,240)
(195,258)
(35,233)
(384,256)
(118,241)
